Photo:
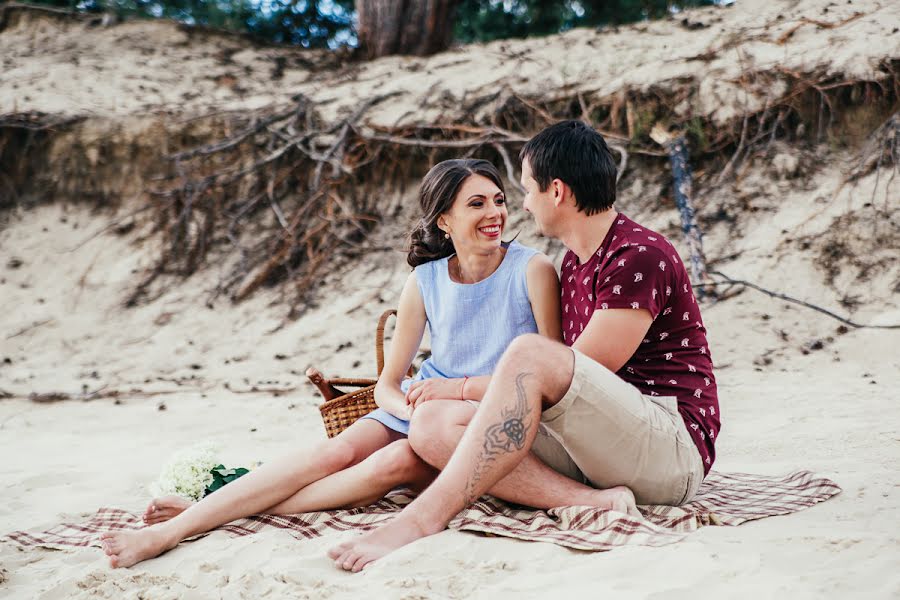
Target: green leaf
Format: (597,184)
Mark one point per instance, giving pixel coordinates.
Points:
(222,476)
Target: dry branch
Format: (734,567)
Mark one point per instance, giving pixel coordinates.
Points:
(728,280)
(300,187)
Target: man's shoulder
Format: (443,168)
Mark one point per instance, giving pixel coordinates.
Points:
(631,233)
(637,250)
(635,242)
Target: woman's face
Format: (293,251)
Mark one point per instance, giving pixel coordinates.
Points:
(477,218)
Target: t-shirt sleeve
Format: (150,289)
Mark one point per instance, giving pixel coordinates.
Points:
(636,277)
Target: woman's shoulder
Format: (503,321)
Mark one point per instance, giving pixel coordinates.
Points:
(521,251)
(524,256)
(427,272)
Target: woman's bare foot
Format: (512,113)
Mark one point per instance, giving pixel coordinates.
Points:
(164,508)
(359,552)
(127,548)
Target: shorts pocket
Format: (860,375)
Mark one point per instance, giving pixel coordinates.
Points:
(694,476)
(669,403)
(688,487)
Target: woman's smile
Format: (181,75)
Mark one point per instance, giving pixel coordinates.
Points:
(491,231)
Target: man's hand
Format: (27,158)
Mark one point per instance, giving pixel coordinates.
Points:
(433,389)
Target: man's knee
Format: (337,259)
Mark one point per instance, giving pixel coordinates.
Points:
(528,346)
(533,350)
(549,363)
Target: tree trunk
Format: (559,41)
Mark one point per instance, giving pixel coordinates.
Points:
(417,27)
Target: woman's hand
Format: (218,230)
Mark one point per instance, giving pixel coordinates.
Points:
(433,389)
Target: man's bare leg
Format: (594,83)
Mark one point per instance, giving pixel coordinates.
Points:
(534,373)
(253,493)
(437,428)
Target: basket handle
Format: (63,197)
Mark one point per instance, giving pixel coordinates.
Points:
(379,342)
(379,338)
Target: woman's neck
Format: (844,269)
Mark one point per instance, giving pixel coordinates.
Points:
(468,267)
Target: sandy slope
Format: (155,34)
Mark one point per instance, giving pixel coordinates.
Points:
(140,67)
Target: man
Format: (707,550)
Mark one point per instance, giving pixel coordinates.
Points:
(630,398)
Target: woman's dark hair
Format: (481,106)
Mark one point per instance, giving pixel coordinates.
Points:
(436,195)
(576,154)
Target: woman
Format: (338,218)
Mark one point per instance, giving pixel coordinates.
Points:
(474,292)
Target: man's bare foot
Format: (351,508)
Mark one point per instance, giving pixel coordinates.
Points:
(127,548)
(621,499)
(357,553)
(164,508)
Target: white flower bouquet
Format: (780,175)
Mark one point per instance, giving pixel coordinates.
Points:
(194,472)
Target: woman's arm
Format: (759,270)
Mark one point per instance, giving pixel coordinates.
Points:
(543,291)
(408,334)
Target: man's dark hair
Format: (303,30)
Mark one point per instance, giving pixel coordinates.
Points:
(576,154)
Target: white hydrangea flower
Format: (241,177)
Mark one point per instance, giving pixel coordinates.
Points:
(188,472)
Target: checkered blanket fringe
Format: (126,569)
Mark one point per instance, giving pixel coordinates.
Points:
(723,499)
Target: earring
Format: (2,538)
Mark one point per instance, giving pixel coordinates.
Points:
(446,236)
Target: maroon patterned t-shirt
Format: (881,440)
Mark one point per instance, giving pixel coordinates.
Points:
(638,268)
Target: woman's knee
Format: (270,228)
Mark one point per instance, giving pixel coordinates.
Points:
(424,418)
(338,454)
(430,424)
(396,463)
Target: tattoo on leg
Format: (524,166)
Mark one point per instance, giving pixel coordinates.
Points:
(509,435)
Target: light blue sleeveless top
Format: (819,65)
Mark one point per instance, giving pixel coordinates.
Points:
(471,325)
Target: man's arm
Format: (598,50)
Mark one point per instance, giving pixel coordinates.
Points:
(613,336)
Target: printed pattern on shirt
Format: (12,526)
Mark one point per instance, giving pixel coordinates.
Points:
(638,269)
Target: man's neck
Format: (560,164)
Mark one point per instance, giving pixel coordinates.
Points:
(585,234)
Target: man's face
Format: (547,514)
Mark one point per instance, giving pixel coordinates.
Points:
(539,204)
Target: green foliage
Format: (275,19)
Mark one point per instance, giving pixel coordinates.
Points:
(486,20)
(222,476)
(330,23)
(308,23)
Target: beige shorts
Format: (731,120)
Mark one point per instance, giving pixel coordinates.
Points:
(605,432)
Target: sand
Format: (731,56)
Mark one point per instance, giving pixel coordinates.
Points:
(796,392)
(832,410)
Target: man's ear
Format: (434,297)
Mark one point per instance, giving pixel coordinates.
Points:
(560,189)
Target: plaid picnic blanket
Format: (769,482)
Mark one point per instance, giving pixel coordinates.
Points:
(723,499)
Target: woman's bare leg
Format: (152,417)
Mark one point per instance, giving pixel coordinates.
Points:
(163,508)
(362,484)
(359,485)
(253,493)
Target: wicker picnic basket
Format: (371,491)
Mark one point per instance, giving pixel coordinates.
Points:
(342,408)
